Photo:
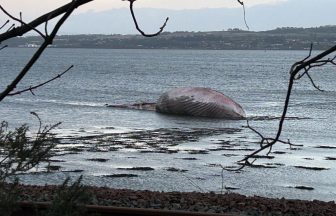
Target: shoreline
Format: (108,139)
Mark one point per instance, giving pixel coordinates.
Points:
(211,202)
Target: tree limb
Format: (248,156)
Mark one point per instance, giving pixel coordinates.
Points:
(48,40)
(137,26)
(306,64)
(4,24)
(31,88)
(19,31)
(20,21)
(243,5)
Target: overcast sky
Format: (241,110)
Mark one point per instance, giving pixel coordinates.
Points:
(34,7)
(112,16)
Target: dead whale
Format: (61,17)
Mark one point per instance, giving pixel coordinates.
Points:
(192,101)
(200,102)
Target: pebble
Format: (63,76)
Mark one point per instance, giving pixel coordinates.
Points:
(232,203)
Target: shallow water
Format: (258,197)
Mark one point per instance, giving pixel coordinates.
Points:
(255,79)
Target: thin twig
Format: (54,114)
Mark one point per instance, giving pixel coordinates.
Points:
(313,83)
(4,24)
(39,119)
(243,5)
(40,20)
(137,26)
(21,18)
(10,28)
(306,64)
(40,50)
(31,88)
(193,183)
(20,21)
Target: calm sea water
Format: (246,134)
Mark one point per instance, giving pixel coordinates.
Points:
(255,79)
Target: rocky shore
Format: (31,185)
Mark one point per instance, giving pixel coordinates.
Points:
(232,203)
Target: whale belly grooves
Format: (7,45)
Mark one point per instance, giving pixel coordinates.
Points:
(200,102)
(192,101)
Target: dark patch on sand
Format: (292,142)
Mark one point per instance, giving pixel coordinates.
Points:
(279,152)
(138,168)
(302,187)
(325,147)
(75,149)
(109,128)
(53,168)
(266,166)
(213,165)
(173,169)
(238,149)
(230,155)
(198,151)
(294,149)
(263,157)
(312,168)
(98,159)
(189,158)
(120,176)
(231,188)
(56,161)
(274,164)
(73,171)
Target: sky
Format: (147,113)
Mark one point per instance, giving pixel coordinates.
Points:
(35,7)
(113,16)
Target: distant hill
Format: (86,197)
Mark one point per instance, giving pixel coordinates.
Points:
(278,39)
(265,16)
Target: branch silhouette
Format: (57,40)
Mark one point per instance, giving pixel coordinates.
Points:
(48,40)
(31,88)
(21,21)
(4,24)
(66,10)
(21,30)
(243,5)
(137,25)
(304,66)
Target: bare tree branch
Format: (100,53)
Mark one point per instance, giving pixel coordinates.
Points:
(21,17)
(31,88)
(304,65)
(10,28)
(20,21)
(137,26)
(48,40)
(243,5)
(313,83)
(4,24)
(18,31)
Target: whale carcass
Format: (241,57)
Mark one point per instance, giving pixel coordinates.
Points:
(200,102)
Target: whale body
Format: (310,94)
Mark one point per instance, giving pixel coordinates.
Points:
(200,102)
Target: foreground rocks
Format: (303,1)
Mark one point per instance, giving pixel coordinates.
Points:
(196,202)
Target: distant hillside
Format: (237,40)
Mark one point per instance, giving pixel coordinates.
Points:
(233,39)
(261,17)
